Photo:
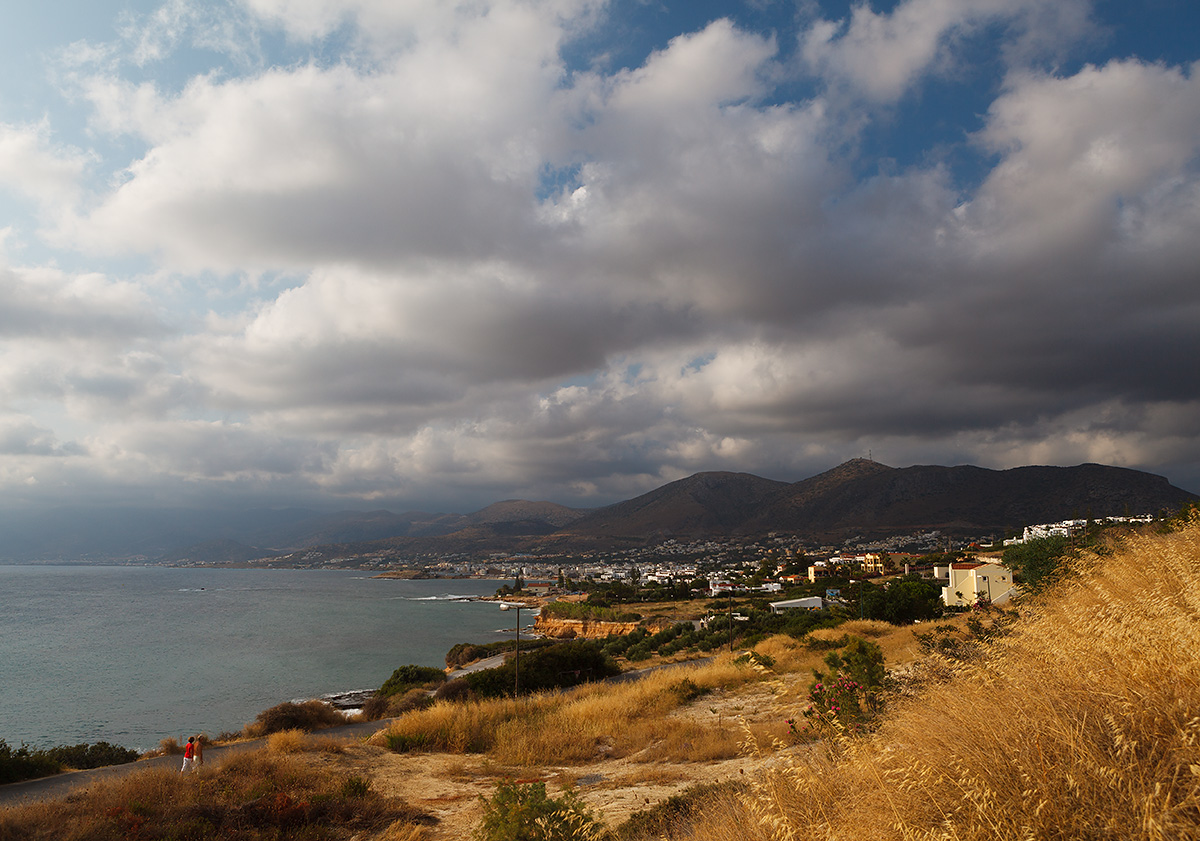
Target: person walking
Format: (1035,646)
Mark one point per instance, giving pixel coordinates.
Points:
(189,755)
(199,750)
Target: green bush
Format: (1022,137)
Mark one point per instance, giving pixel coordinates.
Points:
(902,601)
(409,677)
(309,715)
(99,755)
(355,787)
(556,666)
(1038,562)
(518,812)
(25,763)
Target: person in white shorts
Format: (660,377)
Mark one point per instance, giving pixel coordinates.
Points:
(189,756)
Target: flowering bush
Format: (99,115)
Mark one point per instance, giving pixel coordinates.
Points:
(845,698)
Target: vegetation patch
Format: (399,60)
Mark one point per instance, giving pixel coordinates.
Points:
(557,666)
(253,796)
(410,677)
(673,818)
(464,653)
(308,716)
(1091,702)
(524,812)
(26,763)
(588,612)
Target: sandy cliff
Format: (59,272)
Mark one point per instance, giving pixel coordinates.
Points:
(567,629)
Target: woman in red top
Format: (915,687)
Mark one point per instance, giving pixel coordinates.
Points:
(189,755)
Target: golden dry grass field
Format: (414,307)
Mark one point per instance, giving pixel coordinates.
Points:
(1082,720)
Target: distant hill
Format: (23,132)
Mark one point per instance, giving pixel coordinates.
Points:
(216,552)
(859,497)
(700,505)
(862,496)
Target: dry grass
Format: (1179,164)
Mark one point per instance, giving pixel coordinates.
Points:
(590,722)
(253,795)
(286,741)
(1083,723)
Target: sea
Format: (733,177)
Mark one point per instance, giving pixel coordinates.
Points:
(131,655)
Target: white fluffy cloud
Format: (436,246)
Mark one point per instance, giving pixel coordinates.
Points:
(451,264)
(880,55)
(34,166)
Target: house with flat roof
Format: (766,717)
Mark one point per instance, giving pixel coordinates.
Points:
(971,582)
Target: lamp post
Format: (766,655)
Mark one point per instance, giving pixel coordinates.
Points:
(517,666)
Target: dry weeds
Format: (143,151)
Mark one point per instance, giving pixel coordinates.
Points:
(1083,723)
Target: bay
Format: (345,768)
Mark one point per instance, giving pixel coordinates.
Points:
(132,655)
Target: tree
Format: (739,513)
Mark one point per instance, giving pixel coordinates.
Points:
(903,601)
(1036,562)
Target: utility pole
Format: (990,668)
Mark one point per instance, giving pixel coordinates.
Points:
(731,618)
(517,668)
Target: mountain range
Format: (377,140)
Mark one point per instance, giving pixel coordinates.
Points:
(860,497)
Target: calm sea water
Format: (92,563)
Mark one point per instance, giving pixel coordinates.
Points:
(131,655)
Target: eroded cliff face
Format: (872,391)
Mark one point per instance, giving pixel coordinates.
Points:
(569,629)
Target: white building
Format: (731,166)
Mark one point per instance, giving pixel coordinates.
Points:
(807,603)
(970,582)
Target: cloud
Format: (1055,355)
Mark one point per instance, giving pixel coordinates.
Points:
(446,265)
(426,157)
(881,55)
(22,436)
(34,166)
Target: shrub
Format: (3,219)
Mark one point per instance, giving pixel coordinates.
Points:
(254,796)
(380,706)
(286,741)
(674,815)
(98,755)
(1037,563)
(25,763)
(308,715)
(355,787)
(409,677)
(519,812)
(557,666)
(846,697)
(453,690)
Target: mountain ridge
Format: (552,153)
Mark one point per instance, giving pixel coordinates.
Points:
(857,497)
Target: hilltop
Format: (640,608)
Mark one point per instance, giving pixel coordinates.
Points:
(860,497)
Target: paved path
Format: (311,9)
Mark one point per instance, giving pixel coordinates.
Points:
(60,785)
(492,662)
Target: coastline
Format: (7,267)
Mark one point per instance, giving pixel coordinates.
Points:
(209,649)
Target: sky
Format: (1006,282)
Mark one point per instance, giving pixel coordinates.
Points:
(432,254)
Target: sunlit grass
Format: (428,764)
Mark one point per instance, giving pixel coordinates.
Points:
(580,725)
(1083,723)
